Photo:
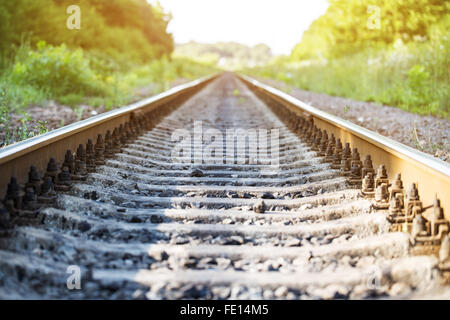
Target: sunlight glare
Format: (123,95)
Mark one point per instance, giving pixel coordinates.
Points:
(279,24)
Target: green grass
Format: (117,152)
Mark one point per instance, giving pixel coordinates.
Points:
(74,77)
(414,77)
(13,100)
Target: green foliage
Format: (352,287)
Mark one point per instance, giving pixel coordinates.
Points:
(59,70)
(122,46)
(403,63)
(5,112)
(350,25)
(162,72)
(227,55)
(72,100)
(28,128)
(346,108)
(16,97)
(190,69)
(123,29)
(413,77)
(74,77)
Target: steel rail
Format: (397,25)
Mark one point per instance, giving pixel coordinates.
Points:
(431,175)
(123,206)
(16,159)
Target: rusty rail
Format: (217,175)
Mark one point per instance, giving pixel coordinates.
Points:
(16,160)
(389,168)
(120,176)
(412,186)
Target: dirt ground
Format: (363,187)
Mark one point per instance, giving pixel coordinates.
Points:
(425,133)
(56,115)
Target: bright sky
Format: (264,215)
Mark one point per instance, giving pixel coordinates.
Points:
(277,23)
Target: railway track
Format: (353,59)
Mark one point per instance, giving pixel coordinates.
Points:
(144,210)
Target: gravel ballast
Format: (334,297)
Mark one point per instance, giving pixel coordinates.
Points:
(425,133)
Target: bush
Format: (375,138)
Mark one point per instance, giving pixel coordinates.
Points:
(18,97)
(59,70)
(123,45)
(411,76)
(133,29)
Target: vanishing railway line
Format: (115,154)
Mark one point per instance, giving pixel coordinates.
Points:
(295,214)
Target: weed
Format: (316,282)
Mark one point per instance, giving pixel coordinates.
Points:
(79,112)
(71,99)
(346,108)
(73,77)
(61,70)
(413,77)
(42,126)
(418,143)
